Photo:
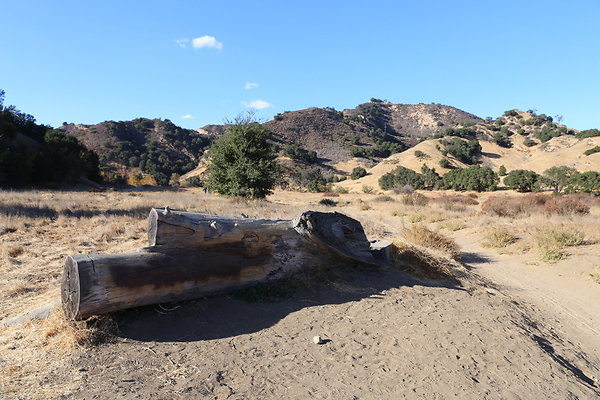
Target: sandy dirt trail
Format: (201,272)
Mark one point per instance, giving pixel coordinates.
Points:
(563,292)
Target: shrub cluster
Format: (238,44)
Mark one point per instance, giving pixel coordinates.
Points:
(465,151)
(558,179)
(588,133)
(296,152)
(473,178)
(513,206)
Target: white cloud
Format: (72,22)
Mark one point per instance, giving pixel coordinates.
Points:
(251,85)
(183,43)
(187,116)
(209,42)
(258,104)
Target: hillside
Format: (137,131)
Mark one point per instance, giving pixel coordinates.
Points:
(373,130)
(563,150)
(153,147)
(411,120)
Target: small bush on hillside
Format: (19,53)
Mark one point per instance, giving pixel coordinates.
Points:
(511,113)
(444,163)
(592,151)
(502,170)
(502,140)
(357,173)
(588,133)
(420,155)
(465,151)
(328,202)
(340,190)
(529,142)
(367,189)
(296,152)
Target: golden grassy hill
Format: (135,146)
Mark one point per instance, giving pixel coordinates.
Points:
(563,150)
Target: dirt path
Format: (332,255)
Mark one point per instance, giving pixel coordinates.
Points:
(387,337)
(562,294)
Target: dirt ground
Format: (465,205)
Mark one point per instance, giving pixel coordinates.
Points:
(512,327)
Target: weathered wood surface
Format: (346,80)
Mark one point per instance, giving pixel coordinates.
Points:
(194,255)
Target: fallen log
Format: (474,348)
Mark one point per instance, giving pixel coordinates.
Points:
(194,255)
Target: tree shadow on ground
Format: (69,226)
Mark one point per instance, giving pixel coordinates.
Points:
(491,155)
(225,316)
(51,213)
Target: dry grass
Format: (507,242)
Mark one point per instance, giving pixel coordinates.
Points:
(421,235)
(453,225)
(499,237)
(415,199)
(414,218)
(420,263)
(551,242)
(514,206)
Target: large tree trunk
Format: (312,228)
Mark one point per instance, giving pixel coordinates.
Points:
(193,255)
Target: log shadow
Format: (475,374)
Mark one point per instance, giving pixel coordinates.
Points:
(224,316)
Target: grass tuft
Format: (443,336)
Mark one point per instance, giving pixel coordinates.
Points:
(499,237)
(423,236)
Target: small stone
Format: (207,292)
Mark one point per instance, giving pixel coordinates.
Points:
(317,340)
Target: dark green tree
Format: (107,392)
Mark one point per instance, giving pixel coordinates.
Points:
(557,178)
(473,178)
(243,162)
(521,180)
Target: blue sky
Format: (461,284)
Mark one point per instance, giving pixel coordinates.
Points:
(198,62)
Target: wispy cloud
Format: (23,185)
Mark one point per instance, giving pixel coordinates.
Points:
(183,42)
(258,104)
(250,85)
(187,116)
(206,42)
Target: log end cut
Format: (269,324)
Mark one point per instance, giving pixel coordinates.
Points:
(70,288)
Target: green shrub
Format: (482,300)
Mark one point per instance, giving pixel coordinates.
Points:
(420,155)
(592,151)
(502,170)
(502,140)
(444,163)
(521,180)
(242,162)
(367,189)
(465,151)
(529,142)
(473,178)
(296,152)
(399,177)
(358,172)
(588,133)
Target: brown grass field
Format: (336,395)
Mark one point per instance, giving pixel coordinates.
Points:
(519,257)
